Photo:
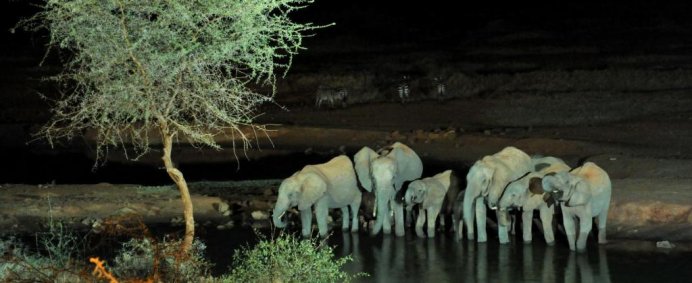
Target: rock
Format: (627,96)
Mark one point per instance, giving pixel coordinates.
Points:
(665,245)
(259,215)
(97,226)
(221,207)
(125,211)
(228,225)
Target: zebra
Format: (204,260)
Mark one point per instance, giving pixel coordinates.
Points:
(331,96)
(403,89)
(439,87)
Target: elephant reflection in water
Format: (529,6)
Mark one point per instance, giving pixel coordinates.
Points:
(578,266)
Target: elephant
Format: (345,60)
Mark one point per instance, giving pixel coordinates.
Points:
(583,193)
(486,179)
(435,195)
(527,193)
(328,185)
(384,173)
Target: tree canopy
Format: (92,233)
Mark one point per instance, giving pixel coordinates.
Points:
(134,65)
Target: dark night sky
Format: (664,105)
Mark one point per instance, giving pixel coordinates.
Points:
(427,25)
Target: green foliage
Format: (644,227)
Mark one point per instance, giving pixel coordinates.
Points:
(134,66)
(287,259)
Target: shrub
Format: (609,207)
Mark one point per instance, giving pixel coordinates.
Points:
(287,259)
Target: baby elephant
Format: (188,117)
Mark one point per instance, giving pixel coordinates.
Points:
(435,195)
(583,193)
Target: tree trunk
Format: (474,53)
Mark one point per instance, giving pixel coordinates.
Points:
(179,180)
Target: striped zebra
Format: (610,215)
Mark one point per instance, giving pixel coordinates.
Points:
(440,89)
(403,89)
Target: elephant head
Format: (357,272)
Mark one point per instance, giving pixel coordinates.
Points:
(302,189)
(565,188)
(516,193)
(415,194)
(384,172)
(479,178)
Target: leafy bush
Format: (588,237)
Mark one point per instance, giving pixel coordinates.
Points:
(287,259)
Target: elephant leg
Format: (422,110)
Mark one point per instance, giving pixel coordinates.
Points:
(420,222)
(601,221)
(306,221)
(432,216)
(585,225)
(443,225)
(408,218)
(502,232)
(480,221)
(354,215)
(526,224)
(468,215)
(568,223)
(546,214)
(321,213)
(399,230)
(344,218)
(460,229)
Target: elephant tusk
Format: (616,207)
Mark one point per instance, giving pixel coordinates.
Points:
(282,214)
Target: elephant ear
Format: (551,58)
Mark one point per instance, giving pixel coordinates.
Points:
(313,188)
(581,194)
(488,175)
(362,161)
(535,186)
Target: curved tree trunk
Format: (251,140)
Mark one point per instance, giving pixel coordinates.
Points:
(179,180)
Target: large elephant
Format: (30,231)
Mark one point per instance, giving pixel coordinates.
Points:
(527,193)
(486,180)
(583,193)
(384,173)
(324,186)
(434,195)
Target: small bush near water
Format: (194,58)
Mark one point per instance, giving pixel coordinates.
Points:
(287,259)
(60,256)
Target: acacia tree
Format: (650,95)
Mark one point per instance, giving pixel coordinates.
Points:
(180,68)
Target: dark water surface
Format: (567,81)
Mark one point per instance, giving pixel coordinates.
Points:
(441,259)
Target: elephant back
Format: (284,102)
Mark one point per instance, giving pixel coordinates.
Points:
(548,164)
(339,175)
(597,178)
(514,160)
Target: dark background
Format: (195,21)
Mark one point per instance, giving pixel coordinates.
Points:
(365,31)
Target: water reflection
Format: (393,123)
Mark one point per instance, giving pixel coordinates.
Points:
(441,259)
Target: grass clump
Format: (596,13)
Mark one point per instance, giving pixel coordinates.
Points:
(287,259)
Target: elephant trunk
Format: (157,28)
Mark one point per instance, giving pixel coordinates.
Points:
(408,201)
(279,210)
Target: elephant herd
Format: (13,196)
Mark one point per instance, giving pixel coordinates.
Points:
(507,180)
